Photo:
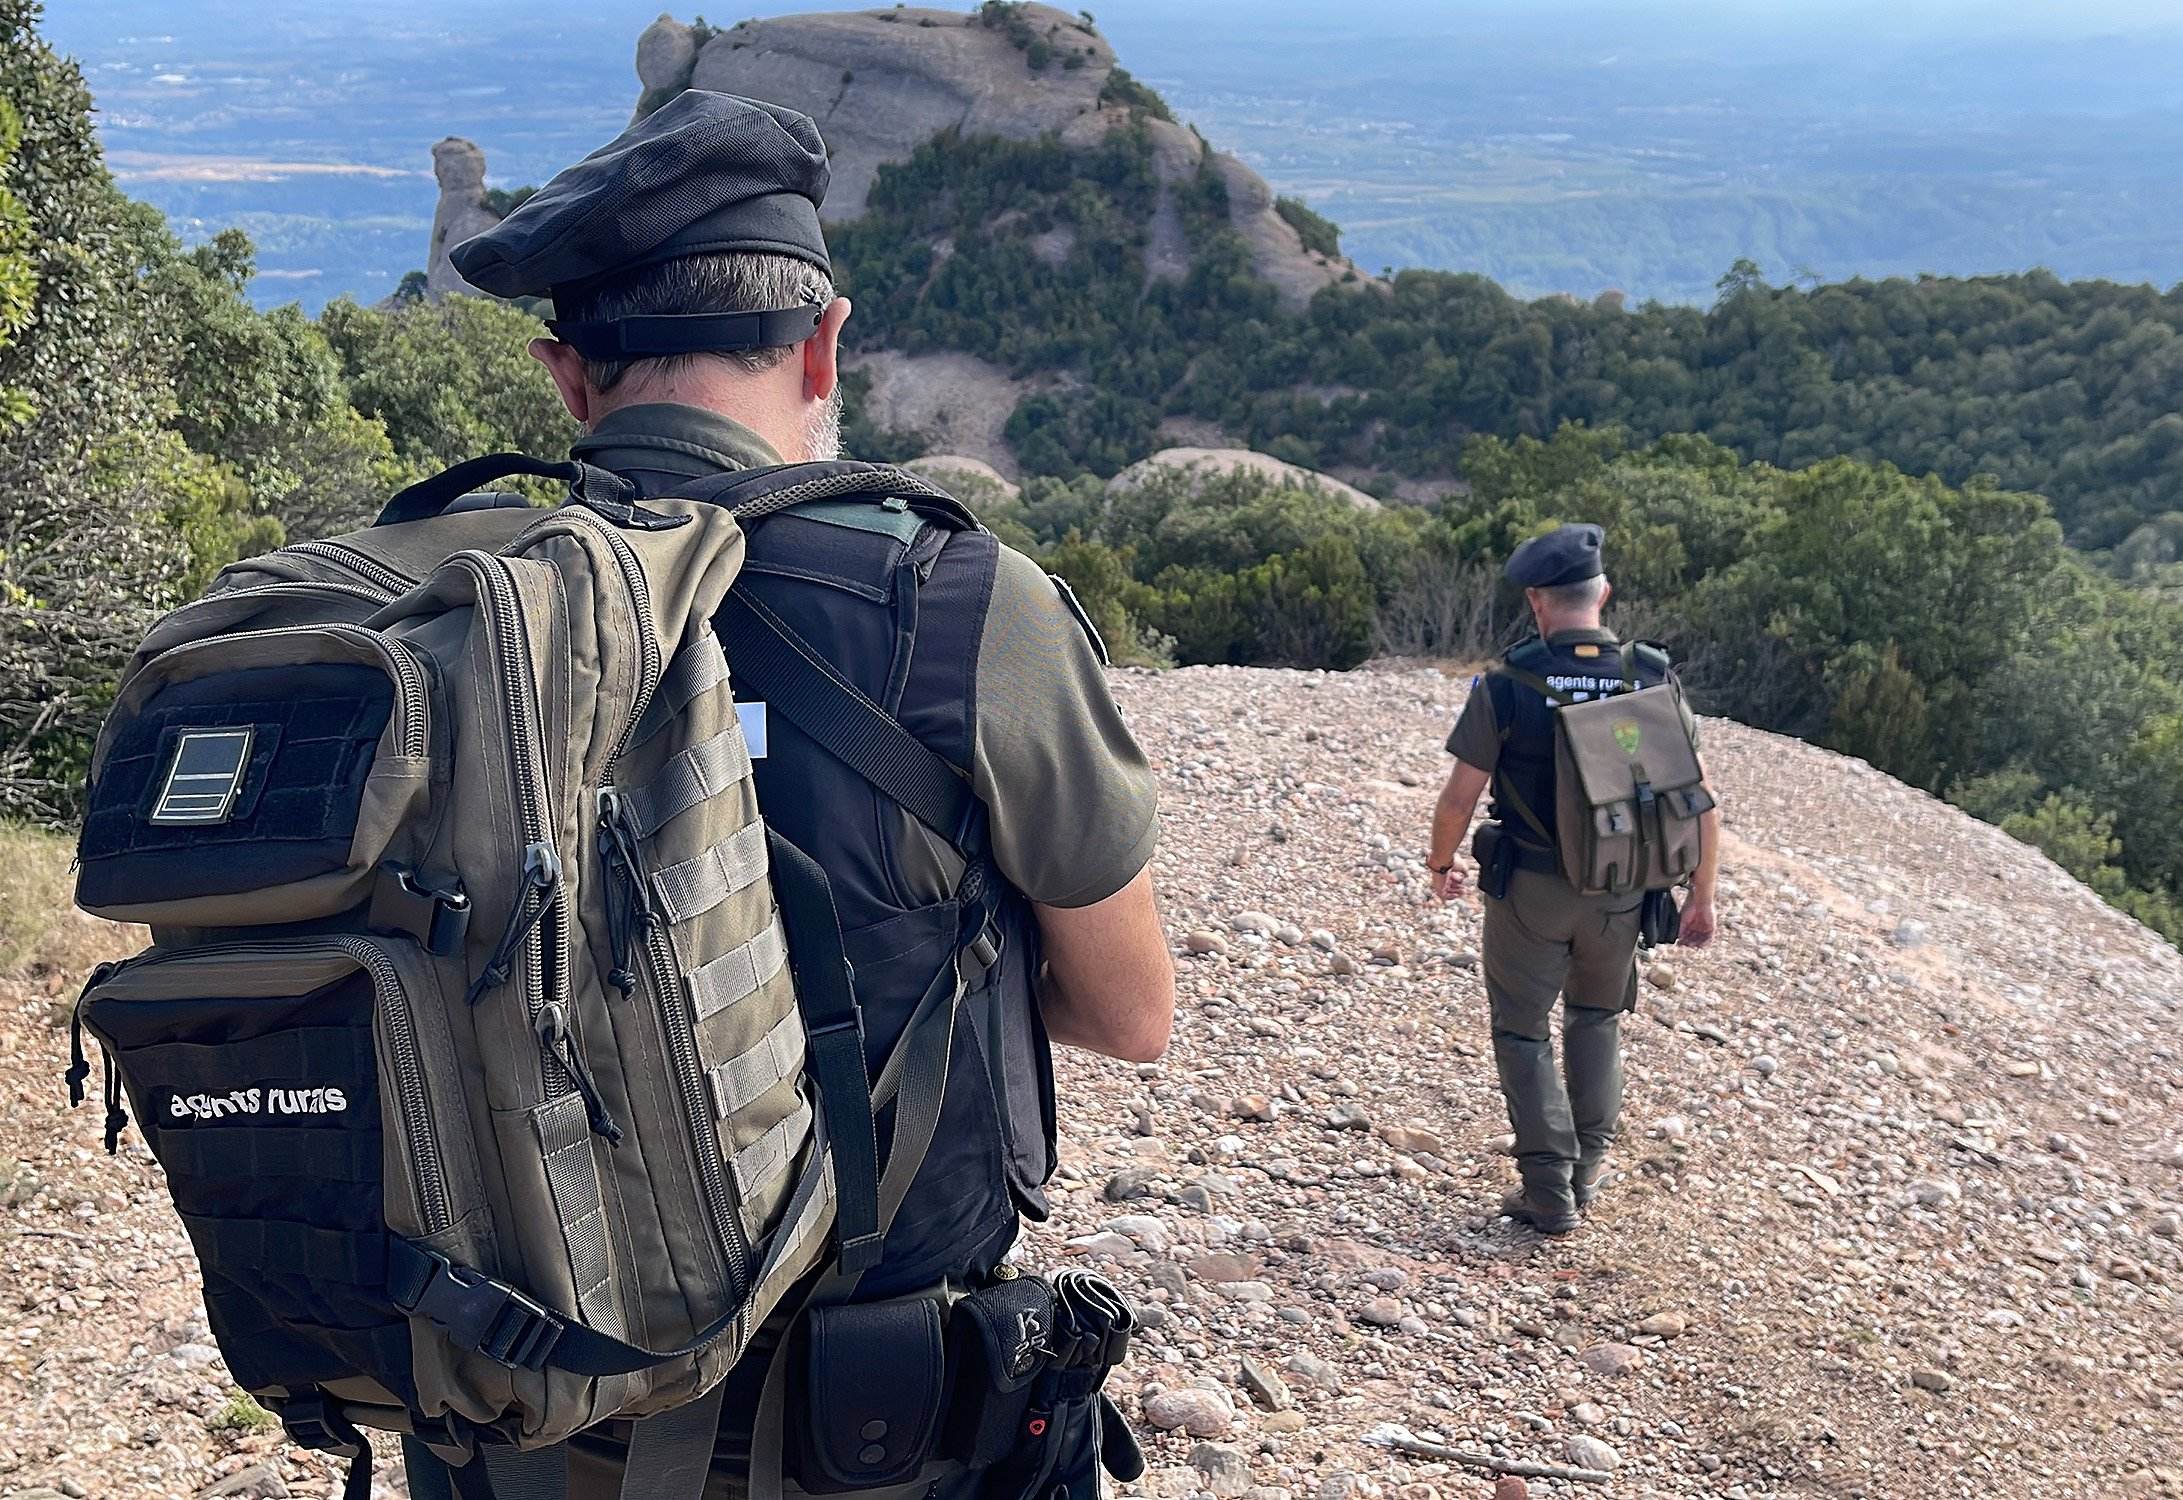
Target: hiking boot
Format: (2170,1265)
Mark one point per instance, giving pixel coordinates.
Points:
(1540,1212)
(1586,1181)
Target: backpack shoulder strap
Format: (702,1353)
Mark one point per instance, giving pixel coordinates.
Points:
(1650,655)
(768,653)
(754,494)
(1520,666)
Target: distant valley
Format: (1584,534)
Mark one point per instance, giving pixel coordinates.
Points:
(1574,150)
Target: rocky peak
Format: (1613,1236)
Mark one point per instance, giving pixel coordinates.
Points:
(880,83)
(460,167)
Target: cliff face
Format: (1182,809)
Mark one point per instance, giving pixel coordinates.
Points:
(881,83)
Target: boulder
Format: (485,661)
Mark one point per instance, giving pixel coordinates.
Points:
(1221,461)
(968,479)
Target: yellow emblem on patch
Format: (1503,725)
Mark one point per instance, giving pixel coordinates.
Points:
(1628,735)
(1587,650)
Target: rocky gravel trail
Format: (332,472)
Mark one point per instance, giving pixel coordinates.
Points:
(1896,1211)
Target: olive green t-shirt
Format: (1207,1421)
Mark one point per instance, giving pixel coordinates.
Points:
(1069,796)
(1476,738)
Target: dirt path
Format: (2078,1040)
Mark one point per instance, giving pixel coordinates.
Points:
(1896,1216)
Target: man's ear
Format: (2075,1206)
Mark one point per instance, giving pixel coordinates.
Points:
(566,367)
(1606,593)
(822,352)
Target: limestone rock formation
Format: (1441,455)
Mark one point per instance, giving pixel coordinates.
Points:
(1229,461)
(666,53)
(881,83)
(959,402)
(968,479)
(460,167)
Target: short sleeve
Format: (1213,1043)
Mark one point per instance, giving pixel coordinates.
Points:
(1070,797)
(1476,738)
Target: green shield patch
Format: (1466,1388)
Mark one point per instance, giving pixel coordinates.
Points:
(1627,735)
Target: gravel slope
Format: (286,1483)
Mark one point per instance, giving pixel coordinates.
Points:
(1896,1213)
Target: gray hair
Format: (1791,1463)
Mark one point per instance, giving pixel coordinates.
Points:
(1575,598)
(729,282)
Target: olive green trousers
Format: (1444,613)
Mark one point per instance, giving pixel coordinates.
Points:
(1546,942)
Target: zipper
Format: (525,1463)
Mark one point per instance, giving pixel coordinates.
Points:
(630,909)
(411,1096)
(400,660)
(540,914)
(559,1042)
(363,565)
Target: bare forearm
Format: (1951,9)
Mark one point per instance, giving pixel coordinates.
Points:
(1709,860)
(1452,813)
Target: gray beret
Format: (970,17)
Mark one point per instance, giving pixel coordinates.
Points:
(704,172)
(1567,554)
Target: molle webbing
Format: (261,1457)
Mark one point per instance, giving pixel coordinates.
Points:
(697,885)
(698,774)
(737,974)
(697,669)
(741,1081)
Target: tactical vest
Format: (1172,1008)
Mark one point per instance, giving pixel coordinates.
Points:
(894,599)
(1526,722)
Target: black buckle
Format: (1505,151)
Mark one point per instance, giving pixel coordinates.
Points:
(438,917)
(487,1316)
(313,1423)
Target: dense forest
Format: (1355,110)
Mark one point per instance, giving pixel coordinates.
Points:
(153,425)
(2070,390)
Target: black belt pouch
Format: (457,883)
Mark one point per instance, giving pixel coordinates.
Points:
(1002,1336)
(1660,920)
(1496,853)
(875,1388)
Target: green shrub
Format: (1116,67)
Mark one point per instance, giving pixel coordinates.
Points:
(1320,235)
(1130,93)
(501,202)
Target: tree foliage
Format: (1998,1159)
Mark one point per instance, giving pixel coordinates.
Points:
(2073,390)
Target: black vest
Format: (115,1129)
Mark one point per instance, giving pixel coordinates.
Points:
(1526,720)
(896,602)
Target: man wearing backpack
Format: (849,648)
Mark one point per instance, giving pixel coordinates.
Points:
(1549,935)
(697,339)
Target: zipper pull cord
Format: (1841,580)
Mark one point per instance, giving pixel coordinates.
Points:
(79,1066)
(623,891)
(117,1118)
(637,908)
(542,877)
(561,1047)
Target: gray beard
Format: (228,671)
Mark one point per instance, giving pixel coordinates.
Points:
(822,430)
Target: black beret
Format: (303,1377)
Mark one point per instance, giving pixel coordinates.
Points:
(704,172)
(1567,554)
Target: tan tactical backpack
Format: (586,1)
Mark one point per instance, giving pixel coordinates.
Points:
(468,1039)
(1629,794)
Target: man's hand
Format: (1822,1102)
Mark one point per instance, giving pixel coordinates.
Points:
(1448,883)
(1698,924)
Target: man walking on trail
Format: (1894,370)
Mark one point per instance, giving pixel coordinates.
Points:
(1544,937)
(697,338)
